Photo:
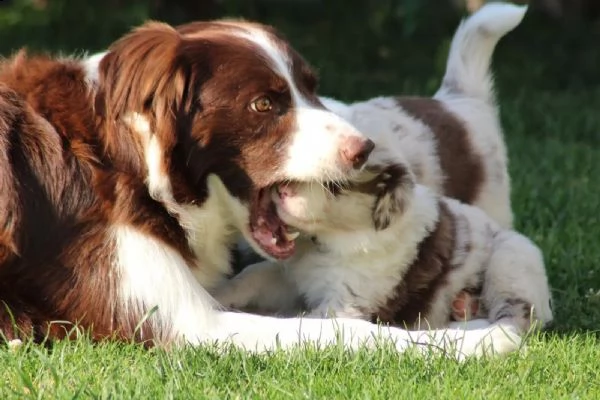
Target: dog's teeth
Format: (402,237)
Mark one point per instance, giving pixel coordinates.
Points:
(273,240)
(380,185)
(385,175)
(291,236)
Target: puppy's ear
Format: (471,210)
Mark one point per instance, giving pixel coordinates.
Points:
(394,192)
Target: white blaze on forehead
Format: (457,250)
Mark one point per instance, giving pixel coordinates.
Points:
(279,60)
(318,136)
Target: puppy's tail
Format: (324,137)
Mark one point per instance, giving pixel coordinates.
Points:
(468,68)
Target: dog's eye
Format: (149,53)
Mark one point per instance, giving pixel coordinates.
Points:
(262,104)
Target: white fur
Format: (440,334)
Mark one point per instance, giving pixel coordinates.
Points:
(319,134)
(90,65)
(513,271)
(152,274)
(260,333)
(15,344)
(329,282)
(472,47)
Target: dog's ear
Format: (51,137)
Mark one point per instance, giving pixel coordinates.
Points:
(394,185)
(145,73)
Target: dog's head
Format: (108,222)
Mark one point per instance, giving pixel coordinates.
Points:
(370,201)
(224,99)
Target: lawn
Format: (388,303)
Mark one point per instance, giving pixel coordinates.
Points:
(549,89)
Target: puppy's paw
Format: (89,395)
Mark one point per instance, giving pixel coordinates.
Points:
(394,186)
(229,296)
(465,306)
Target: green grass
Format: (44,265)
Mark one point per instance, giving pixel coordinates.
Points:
(552,367)
(549,90)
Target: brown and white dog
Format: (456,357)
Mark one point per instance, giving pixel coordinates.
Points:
(382,247)
(434,248)
(125,177)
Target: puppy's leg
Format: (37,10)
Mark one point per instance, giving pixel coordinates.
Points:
(515,286)
(262,286)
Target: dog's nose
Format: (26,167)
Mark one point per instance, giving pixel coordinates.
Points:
(356,151)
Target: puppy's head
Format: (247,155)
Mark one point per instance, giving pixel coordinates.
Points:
(370,201)
(224,99)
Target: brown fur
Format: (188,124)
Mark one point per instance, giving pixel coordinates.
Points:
(416,291)
(457,157)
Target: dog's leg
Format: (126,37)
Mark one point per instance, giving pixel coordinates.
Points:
(263,286)
(515,286)
(260,333)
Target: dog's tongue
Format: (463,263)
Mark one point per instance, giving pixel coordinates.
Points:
(268,230)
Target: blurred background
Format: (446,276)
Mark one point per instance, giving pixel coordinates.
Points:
(381,45)
(547,79)
(360,47)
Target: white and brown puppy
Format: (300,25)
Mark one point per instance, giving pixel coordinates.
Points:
(385,248)
(453,142)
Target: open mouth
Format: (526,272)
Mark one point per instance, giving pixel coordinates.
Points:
(267,228)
